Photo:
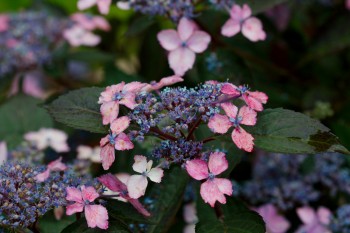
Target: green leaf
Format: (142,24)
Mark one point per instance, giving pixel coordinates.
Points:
(19,115)
(81,226)
(260,5)
(125,212)
(236,218)
(49,224)
(139,25)
(285,131)
(168,195)
(79,109)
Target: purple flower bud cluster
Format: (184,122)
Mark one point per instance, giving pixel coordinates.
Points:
(340,223)
(29,41)
(23,200)
(279,179)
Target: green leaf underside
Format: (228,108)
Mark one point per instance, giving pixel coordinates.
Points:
(286,131)
(19,115)
(79,109)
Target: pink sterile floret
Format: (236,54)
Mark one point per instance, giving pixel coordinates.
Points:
(53,166)
(275,223)
(183,45)
(167,81)
(214,188)
(103,5)
(96,215)
(314,222)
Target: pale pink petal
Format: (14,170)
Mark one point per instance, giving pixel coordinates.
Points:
(41,177)
(122,142)
(197,169)
(138,206)
(84,4)
(246,12)
(96,216)
(169,39)
(347,4)
(104,141)
(109,111)
(260,96)
(211,193)
(57,165)
(231,28)
(74,208)
(236,12)
(129,100)
(74,194)
(248,116)
(307,215)
(3,152)
(324,215)
(217,163)
(252,102)
(101,23)
(4,24)
(252,29)
(83,21)
(89,193)
(274,222)
(107,156)
(123,177)
(219,124)
(230,89)
(133,87)
(137,185)
(212,82)
(59,146)
(190,228)
(224,185)
(190,213)
(58,212)
(242,139)
(90,39)
(185,28)
(140,164)
(230,109)
(110,92)
(168,81)
(199,41)
(155,175)
(120,124)
(103,6)
(181,60)
(113,183)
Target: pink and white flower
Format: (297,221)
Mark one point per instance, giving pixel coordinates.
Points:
(167,81)
(275,223)
(53,166)
(115,185)
(103,5)
(115,95)
(222,123)
(213,189)
(56,139)
(77,36)
(137,184)
(3,152)
(183,45)
(241,20)
(115,140)
(314,222)
(254,99)
(96,215)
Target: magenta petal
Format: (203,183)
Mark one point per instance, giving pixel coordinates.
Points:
(197,169)
(181,60)
(217,163)
(219,124)
(74,208)
(107,156)
(169,39)
(242,139)
(211,193)
(112,183)
(74,194)
(230,89)
(185,28)
(231,28)
(138,206)
(248,116)
(89,193)
(199,41)
(96,216)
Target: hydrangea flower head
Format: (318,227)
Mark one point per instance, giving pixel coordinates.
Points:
(213,189)
(53,166)
(222,123)
(56,139)
(314,222)
(137,184)
(275,223)
(183,45)
(83,198)
(241,20)
(103,5)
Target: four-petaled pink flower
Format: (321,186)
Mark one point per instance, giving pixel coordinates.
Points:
(314,222)
(103,5)
(115,185)
(96,215)
(214,188)
(118,94)
(137,184)
(275,223)
(254,99)
(167,81)
(183,45)
(222,123)
(53,166)
(56,139)
(241,20)
(77,36)
(115,140)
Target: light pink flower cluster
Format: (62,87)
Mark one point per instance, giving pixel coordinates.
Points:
(241,20)
(103,5)
(213,189)
(110,100)
(55,165)
(314,222)
(81,32)
(83,198)
(233,117)
(275,223)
